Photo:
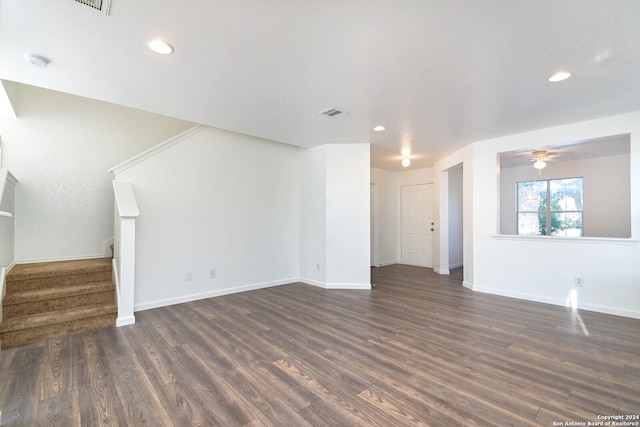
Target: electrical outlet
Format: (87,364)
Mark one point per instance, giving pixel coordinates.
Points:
(189,276)
(578,281)
(212,273)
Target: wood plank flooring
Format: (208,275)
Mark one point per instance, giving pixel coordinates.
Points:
(416,350)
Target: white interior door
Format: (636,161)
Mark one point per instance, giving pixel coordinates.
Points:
(417,225)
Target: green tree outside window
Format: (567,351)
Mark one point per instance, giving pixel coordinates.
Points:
(557,215)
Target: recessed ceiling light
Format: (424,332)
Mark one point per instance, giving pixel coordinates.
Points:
(161,47)
(406,162)
(379,128)
(36,60)
(559,76)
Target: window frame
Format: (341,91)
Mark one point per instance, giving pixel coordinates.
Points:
(549,212)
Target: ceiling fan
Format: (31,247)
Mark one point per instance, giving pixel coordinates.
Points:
(540,158)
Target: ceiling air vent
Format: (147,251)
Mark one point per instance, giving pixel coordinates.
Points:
(333,112)
(96,4)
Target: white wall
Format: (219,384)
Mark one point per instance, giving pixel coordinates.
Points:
(7,99)
(386,216)
(215,200)
(414,177)
(7,224)
(543,268)
(60,147)
(606,180)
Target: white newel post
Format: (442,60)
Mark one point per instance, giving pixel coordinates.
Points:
(125,250)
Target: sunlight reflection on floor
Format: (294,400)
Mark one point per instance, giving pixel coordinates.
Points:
(572,302)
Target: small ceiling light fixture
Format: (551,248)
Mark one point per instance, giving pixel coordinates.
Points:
(539,158)
(36,60)
(160,46)
(406,153)
(379,128)
(559,76)
(539,164)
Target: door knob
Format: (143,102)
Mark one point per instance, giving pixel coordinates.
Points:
(431,228)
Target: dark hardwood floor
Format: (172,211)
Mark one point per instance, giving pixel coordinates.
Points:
(418,349)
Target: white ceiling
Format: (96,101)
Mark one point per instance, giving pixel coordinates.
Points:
(438,74)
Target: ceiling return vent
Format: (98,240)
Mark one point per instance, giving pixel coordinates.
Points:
(96,4)
(334,112)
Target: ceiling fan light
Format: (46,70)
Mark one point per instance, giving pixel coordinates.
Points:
(539,164)
(160,46)
(559,76)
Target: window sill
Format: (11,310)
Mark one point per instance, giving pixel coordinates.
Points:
(592,240)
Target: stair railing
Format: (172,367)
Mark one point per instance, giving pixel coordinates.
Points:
(124,260)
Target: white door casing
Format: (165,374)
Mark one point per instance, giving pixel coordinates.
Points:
(374,225)
(417,225)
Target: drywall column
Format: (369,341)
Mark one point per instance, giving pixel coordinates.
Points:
(313,216)
(348,233)
(125,250)
(335,232)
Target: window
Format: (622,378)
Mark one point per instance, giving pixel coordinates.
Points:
(551,207)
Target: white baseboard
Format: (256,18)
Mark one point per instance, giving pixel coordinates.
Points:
(468,285)
(312,282)
(363,286)
(3,283)
(115,278)
(8,269)
(216,293)
(610,310)
(124,321)
(325,285)
(386,263)
(559,302)
(107,247)
(444,272)
(456,265)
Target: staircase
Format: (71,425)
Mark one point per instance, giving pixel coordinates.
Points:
(52,299)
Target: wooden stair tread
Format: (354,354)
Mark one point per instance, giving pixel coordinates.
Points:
(54,268)
(56,292)
(57,316)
